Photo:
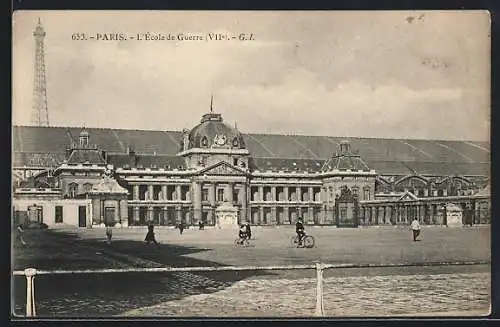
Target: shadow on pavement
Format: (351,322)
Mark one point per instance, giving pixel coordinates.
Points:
(100,295)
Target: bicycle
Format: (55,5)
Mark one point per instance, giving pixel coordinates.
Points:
(242,243)
(308,242)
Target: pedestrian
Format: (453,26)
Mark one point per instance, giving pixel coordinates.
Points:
(181,227)
(20,232)
(109,233)
(150,236)
(415,227)
(201,224)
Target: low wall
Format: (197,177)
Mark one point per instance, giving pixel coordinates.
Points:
(70,210)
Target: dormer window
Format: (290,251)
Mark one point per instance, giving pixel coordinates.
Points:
(345,147)
(84,139)
(72,190)
(204,141)
(235,142)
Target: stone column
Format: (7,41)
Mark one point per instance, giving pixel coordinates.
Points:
(96,211)
(374,216)
(123,212)
(178,192)
(322,215)
(101,211)
(311,194)
(196,201)
(243,201)
(136,215)
(261,215)
(164,220)
(150,192)
(178,215)
(381,215)
(230,188)
(211,194)
(311,214)
(285,193)
(135,192)
(286,215)
(475,212)
(323,195)
(150,214)
(261,193)
(298,191)
(273,193)
(164,192)
(274,217)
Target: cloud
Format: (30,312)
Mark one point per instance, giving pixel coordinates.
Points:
(351,109)
(369,75)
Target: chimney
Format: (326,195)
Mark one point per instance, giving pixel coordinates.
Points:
(131,156)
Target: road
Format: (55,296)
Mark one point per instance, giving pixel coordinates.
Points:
(160,294)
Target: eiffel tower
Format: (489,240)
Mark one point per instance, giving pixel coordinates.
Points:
(40,114)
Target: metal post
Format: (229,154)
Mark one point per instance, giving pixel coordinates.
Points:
(30,292)
(320,310)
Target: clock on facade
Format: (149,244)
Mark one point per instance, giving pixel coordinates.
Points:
(220,139)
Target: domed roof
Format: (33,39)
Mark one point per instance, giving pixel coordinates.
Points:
(213,132)
(345,159)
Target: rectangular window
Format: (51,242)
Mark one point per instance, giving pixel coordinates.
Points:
(367,195)
(204,194)
(220,195)
(59,214)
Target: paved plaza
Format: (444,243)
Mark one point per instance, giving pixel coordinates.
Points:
(347,292)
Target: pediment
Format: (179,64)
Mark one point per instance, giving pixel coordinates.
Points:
(408,196)
(223,168)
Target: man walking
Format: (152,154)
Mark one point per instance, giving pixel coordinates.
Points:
(150,236)
(109,233)
(415,227)
(20,232)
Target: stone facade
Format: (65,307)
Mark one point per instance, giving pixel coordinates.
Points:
(213,166)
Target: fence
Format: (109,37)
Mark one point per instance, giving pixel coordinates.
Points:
(30,274)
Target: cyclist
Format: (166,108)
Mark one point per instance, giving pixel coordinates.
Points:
(242,234)
(299,229)
(248,230)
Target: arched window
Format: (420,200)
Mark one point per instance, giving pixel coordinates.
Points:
(87,187)
(72,190)
(204,142)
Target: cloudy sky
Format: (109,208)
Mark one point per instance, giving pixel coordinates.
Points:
(370,74)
